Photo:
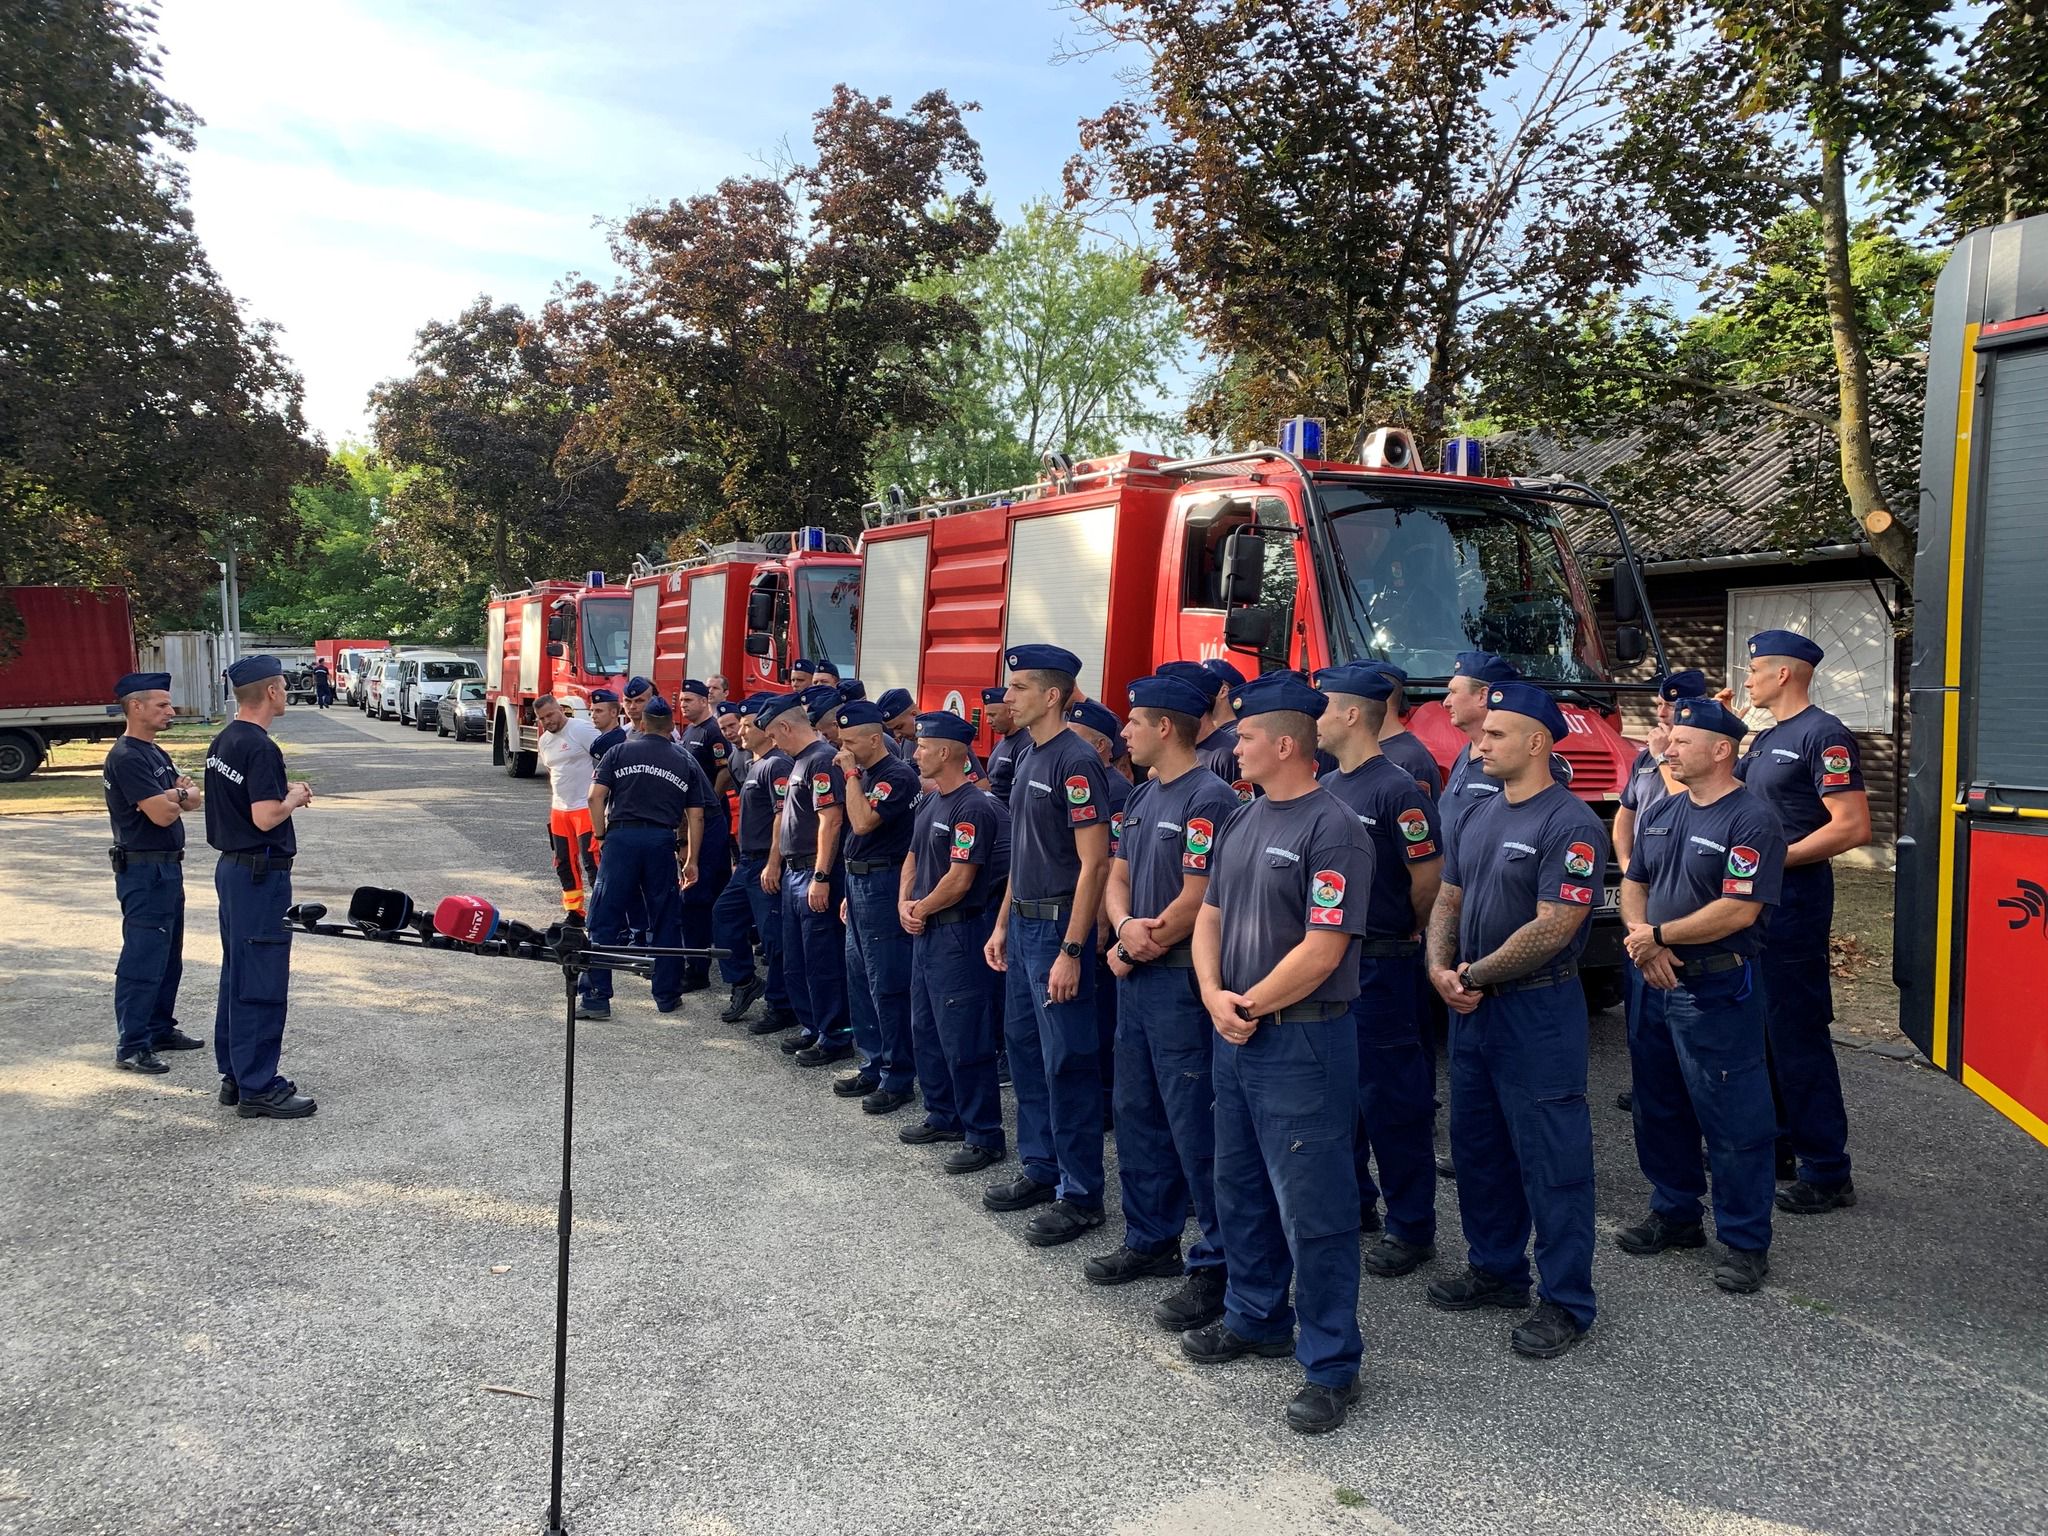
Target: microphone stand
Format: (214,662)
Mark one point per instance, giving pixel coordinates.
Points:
(568,945)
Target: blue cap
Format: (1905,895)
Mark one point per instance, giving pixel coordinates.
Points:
(1397,672)
(1216,666)
(1164,691)
(691,685)
(894,702)
(603,696)
(1527,699)
(635,686)
(1688,684)
(1783,642)
(819,701)
(852,688)
(254,669)
(1270,692)
(1357,677)
(823,668)
(1042,658)
(995,695)
(768,705)
(860,712)
(725,707)
(943,725)
(1709,715)
(142,682)
(1097,717)
(656,705)
(802,664)
(1197,676)
(1485,666)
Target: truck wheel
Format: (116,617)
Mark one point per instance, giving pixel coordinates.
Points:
(20,756)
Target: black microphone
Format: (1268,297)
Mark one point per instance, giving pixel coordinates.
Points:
(305,913)
(379,911)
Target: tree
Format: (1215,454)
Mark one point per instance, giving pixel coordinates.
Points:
(1073,355)
(767,335)
(1989,162)
(144,423)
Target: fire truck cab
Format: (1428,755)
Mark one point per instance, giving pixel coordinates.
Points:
(558,637)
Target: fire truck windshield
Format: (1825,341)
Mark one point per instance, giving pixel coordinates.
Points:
(607,632)
(827,604)
(1430,576)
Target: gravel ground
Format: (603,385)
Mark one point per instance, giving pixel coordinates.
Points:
(786,1321)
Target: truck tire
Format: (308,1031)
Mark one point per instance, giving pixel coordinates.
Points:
(505,751)
(20,755)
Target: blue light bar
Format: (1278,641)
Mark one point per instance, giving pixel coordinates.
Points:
(810,539)
(594,579)
(1302,436)
(1464,456)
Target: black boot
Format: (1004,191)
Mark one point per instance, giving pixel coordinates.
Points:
(1197,1304)
(743,997)
(1316,1409)
(1547,1333)
(1476,1288)
(1657,1232)
(1126,1265)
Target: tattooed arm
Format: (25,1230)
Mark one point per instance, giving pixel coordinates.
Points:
(1441,950)
(1530,946)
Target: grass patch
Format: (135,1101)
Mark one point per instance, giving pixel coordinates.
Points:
(1350,1498)
(69,779)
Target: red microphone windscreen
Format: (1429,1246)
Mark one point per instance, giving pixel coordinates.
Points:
(465,919)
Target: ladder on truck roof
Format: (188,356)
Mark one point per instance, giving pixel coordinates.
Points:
(1062,476)
(767,547)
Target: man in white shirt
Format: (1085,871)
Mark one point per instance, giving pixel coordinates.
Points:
(565,744)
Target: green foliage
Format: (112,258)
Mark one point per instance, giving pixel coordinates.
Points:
(1073,353)
(1989,162)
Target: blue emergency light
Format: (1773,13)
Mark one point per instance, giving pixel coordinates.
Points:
(810,539)
(594,579)
(1302,436)
(1464,456)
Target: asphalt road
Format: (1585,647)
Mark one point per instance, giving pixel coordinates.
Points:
(786,1321)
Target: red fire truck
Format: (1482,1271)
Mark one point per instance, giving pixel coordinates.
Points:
(559,637)
(1278,559)
(691,618)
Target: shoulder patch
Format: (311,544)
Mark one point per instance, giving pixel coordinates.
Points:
(1578,859)
(1414,824)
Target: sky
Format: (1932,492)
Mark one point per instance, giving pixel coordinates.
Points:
(365,166)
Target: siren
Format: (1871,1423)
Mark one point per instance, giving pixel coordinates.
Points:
(1302,436)
(1390,448)
(810,539)
(1464,456)
(593,578)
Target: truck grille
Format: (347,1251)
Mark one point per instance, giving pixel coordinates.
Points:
(1594,772)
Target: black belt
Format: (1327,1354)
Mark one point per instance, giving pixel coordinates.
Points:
(952,915)
(1179,957)
(1304,1013)
(612,826)
(1390,949)
(1532,983)
(152,855)
(1712,964)
(803,866)
(1047,911)
(759,855)
(262,863)
(870,866)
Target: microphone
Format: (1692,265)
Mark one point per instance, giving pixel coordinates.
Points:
(473,920)
(379,911)
(305,913)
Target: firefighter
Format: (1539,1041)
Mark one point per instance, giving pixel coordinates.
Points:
(704,740)
(1399,743)
(147,797)
(647,809)
(1709,861)
(1095,724)
(851,688)
(1396,1077)
(805,867)
(568,748)
(727,713)
(800,674)
(1274,951)
(1806,767)
(604,714)
(899,722)
(824,674)
(1059,862)
(949,904)
(637,692)
(1011,739)
(323,683)
(249,807)
(880,791)
(1473,675)
(746,914)
(821,705)
(1520,878)
(1166,1132)
(719,691)
(1647,780)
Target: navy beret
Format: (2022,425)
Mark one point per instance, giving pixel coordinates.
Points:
(895,701)
(1177,694)
(1529,700)
(825,669)
(819,701)
(725,707)
(603,696)
(1688,684)
(802,664)
(852,688)
(1097,717)
(1485,666)
(691,685)
(635,686)
(768,706)
(994,695)
(1216,666)
(1709,715)
(1784,642)
(943,725)
(1196,676)
(1270,692)
(656,705)
(1358,677)
(1042,658)
(751,704)
(1398,673)
(859,712)
(254,669)
(142,682)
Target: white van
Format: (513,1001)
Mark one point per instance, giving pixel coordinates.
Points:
(422,677)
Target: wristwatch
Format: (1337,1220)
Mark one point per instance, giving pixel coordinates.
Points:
(1657,935)
(1070,949)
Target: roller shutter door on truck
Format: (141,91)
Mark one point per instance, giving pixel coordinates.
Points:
(1059,585)
(494,657)
(704,651)
(892,613)
(532,646)
(640,638)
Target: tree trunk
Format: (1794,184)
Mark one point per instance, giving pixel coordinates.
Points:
(500,560)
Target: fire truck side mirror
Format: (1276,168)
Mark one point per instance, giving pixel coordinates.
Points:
(760,616)
(557,649)
(1628,591)
(1246,629)
(757,645)
(1628,644)
(558,628)
(1244,568)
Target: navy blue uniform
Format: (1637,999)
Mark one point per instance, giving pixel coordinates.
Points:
(1645,785)
(1165,1121)
(955,999)
(1406,749)
(705,742)
(606,740)
(1001,771)
(151,889)
(877,948)
(814,943)
(1520,1132)
(1467,785)
(1697,1051)
(1217,752)
(1105,979)
(1396,1075)
(1793,767)
(253,882)
(743,911)
(651,786)
(1287,1099)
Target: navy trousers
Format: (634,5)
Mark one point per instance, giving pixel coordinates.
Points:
(743,915)
(714,869)
(639,865)
(1287,1189)
(878,977)
(1055,1065)
(1697,1057)
(1106,1012)
(814,958)
(1166,1113)
(255,974)
(954,1033)
(1799,1006)
(1396,1095)
(152,959)
(1523,1140)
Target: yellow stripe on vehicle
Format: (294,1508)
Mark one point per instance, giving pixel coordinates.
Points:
(1951,697)
(2006,1104)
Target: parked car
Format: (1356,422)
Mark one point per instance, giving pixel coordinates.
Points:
(351,674)
(380,692)
(423,676)
(460,712)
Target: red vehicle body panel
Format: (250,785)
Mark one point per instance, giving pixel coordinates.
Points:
(75,643)
(661,651)
(330,651)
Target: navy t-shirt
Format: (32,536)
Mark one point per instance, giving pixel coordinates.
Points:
(1406,748)
(1118,800)
(815,784)
(963,827)
(1689,855)
(1059,789)
(891,788)
(243,766)
(1400,821)
(139,770)
(652,782)
(1282,868)
(761,793)
(1507,858)
(707,744)
(1645,786)
(1002,762)
(1797,764)
(1217,752)
(1170,832)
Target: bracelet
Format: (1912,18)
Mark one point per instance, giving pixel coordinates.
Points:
(1118,930)
(1657,935)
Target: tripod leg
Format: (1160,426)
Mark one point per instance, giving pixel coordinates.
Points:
(562,1226)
